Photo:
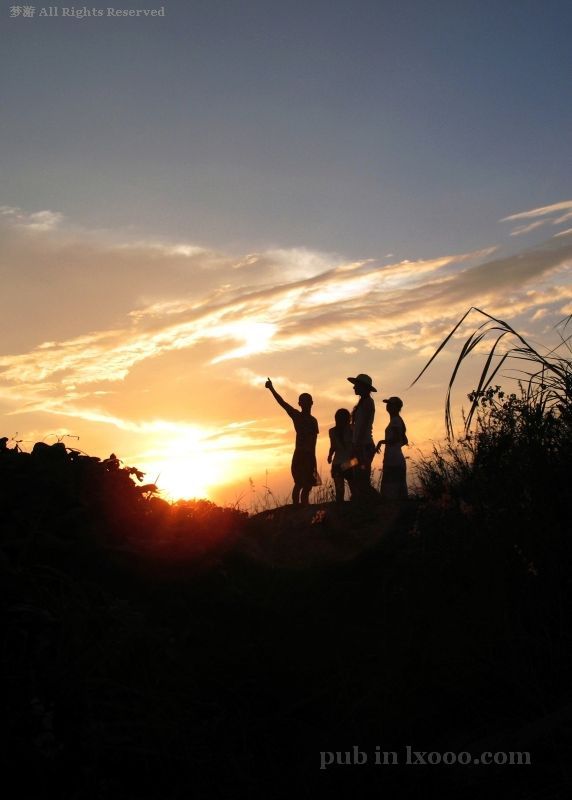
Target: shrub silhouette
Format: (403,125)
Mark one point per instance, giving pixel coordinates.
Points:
(137,644)
(57,493)
(546,375)
(515,444)
(506,481)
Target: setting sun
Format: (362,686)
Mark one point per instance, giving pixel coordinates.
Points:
(187,466)
(286,394)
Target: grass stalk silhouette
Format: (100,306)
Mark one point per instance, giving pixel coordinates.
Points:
(548,373)
(122,665)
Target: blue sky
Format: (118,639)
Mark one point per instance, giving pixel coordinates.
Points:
(362,128)
(246,189)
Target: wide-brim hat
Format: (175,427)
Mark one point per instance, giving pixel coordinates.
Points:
(365,380)
(394,401)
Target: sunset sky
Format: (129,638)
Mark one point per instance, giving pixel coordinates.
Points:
(302,190)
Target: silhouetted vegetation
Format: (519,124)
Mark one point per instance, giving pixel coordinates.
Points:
(547,376)
(155,650)
(508,476)
(60,498)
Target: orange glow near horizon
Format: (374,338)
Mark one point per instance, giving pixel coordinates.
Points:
(187,466)
(193,462)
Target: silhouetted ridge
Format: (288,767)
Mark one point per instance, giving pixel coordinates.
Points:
(55,492)
(155,650)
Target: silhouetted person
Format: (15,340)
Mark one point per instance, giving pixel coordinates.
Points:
(363,447)
(394,477)
(341,451)
(304,467)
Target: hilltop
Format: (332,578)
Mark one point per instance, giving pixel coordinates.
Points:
(162,650)
(325,533)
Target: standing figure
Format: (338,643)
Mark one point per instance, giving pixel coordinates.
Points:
(393,480)
(363,447)
(304,467)
(341,451)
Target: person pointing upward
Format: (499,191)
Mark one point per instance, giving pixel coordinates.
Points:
(304,467)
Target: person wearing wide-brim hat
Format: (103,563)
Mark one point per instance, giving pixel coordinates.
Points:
(363,447)
(394,475)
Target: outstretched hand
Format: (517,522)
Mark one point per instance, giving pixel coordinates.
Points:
(378,445)
(268,384)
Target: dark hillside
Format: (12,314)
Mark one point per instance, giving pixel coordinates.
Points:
(174,651)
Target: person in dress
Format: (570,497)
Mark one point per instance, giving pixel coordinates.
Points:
(394,476)
(304,467)
(341,451)
(363,447)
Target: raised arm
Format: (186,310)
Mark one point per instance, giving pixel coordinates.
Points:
(281,402)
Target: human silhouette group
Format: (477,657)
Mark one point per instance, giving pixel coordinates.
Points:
(352,446)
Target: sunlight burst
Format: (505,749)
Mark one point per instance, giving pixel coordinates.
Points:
(188,466)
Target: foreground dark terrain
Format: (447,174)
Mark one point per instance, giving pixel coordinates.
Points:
(182,651)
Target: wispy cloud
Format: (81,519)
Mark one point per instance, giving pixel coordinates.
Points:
(550,213)
(40,221)
(522,229)
(235,308)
